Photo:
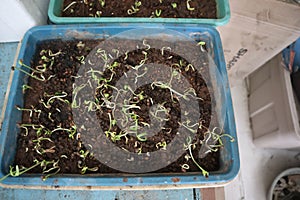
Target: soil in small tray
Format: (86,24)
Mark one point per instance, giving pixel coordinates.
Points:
(49,134)
(141,8)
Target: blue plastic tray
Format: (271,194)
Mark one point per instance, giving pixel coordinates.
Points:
(55,7)
(8,138)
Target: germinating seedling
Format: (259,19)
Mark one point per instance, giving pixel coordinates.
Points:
(102,2)
(94,74)
(189,127)
(40,129)
(85,169)
(48,171)
(59,96)
(134,8)
(185,166)
(158,13)
(167,86)
(112,122)
(202,45)
(146,44)
(103,55)
(189,146)
(18,171)
(91,106)
(163,49)
(72,131)
(81,59)
(113,66)
(84,154)
(29,110)
(160,109)
(69,6)
(133,119)
(76,90)
(38,147)
(190,92)
(142,62)
(213,141)
(162,145)
(98,14)
(188,6)
(114,136)
(51,54)
(41,78)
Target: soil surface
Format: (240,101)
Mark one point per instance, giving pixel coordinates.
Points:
(49,133)
(142,8)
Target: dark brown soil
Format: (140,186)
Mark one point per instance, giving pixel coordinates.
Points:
(69,151)
(131,8)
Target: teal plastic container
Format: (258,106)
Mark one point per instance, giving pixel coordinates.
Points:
(229,156)
(55,7)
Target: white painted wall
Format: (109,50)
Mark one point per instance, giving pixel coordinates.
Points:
(17,16)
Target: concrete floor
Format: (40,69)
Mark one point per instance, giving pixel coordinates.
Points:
(258,166)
